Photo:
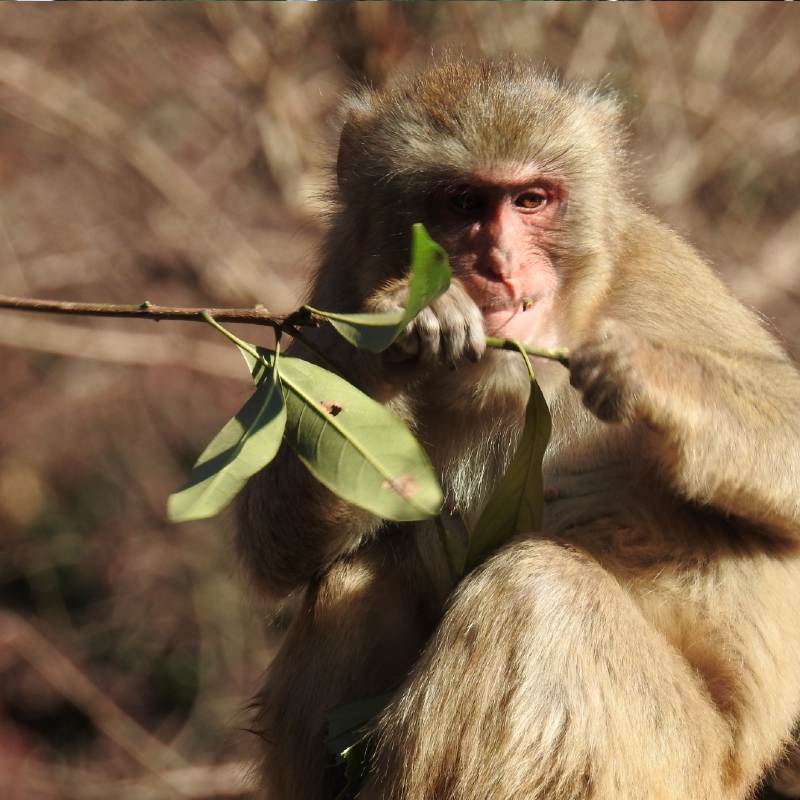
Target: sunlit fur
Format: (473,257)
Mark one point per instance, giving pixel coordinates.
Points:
(644,645)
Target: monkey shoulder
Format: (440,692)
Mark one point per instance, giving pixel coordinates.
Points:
(666,290)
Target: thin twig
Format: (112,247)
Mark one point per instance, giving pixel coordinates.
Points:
(253,316)
(559,354)
(145,310)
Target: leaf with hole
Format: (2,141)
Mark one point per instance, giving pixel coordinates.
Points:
(246,444)
(355,446)
(429,277)
(517,503)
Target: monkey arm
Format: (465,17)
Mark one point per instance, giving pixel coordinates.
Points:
(291,528)
(730,427)
(726,426)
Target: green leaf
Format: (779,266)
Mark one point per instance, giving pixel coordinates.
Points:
(245,444)
(517,503)
(429,277)
(355,446)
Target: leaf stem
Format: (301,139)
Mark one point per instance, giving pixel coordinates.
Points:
(528,366)
(246,346)
(559,354)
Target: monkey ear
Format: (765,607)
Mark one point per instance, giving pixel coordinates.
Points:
(359,114)
(606,109)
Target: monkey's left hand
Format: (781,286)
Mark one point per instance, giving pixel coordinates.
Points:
(609,371)
(447,331)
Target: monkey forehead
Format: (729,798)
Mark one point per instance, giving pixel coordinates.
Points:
(481,116)
(509,175)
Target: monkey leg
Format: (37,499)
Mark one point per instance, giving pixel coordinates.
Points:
(360,628)
(544,680)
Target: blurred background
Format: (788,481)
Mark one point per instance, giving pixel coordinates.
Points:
(178,153)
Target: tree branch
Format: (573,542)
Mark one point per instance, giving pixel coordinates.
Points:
(253,316)
(147,310)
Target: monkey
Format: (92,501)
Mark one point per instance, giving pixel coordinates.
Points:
(645,643)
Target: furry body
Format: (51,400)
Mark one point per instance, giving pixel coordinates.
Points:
(646,643)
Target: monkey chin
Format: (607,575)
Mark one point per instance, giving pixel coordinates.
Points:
(509,323)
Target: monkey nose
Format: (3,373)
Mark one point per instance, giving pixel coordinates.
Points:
(500,262)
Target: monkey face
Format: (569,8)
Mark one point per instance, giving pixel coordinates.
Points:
(497,226)
(486,155)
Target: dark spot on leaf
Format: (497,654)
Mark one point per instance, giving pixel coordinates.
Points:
(406,486)
(332,407)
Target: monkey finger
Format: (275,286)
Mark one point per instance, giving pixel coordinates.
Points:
(429,332)
(458,317)
(584,372)
(461,316)
(610,408)
(475,344)
(462,338)
(603,399)
(453,343)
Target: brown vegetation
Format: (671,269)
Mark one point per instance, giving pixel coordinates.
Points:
(177,153)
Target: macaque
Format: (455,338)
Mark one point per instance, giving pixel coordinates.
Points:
(645,644)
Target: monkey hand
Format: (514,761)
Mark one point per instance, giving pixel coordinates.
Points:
(608,371)
(447,331)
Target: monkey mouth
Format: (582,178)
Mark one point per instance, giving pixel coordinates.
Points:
(506,317)
(509,306)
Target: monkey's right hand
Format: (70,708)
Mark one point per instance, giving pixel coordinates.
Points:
(447,331)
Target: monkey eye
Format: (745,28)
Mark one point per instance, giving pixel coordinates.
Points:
(466,199)
(534,200)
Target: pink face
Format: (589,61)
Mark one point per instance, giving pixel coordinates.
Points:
(497,227)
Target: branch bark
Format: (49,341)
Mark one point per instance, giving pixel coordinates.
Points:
(254,316)
(146,310)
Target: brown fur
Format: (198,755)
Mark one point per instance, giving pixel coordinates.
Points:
(646,644)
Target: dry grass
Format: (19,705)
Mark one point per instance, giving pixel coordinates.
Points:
(177,152)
